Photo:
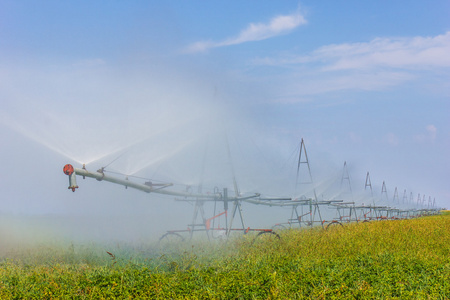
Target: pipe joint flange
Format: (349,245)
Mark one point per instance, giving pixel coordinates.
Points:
(101,172)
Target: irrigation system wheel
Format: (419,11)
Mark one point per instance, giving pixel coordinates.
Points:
(279,227)
(170,240)
(333,225)
(266,236)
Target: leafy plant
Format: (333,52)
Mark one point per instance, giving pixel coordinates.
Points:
(390,259)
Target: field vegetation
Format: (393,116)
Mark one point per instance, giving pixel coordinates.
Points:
(387,260)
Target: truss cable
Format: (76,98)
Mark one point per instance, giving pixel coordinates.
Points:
(290,158)
(115,159)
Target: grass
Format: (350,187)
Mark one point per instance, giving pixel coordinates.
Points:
(385,260)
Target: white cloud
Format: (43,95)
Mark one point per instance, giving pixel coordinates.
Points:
(416,52)
(370,66)
(279,25)
(304,86)
(429,136)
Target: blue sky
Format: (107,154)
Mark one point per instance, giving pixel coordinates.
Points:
(362,82)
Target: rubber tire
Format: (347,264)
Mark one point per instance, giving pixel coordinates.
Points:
(334,223)
(264,233)
(171,235)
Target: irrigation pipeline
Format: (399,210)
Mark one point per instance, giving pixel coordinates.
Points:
(376,212)
(309,214)
(147,187)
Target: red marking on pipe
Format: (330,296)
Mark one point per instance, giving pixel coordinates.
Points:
(73,188)
(68,169)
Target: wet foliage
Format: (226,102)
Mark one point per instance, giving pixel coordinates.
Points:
(385,259)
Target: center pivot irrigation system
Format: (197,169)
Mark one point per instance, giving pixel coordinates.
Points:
(305,212)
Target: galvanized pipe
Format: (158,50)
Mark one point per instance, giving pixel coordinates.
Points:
(100,176)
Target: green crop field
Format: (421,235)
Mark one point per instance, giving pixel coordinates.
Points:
(403,259)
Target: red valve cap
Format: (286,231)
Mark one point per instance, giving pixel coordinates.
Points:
(68,169)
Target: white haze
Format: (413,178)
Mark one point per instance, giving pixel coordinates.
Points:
(160,125)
